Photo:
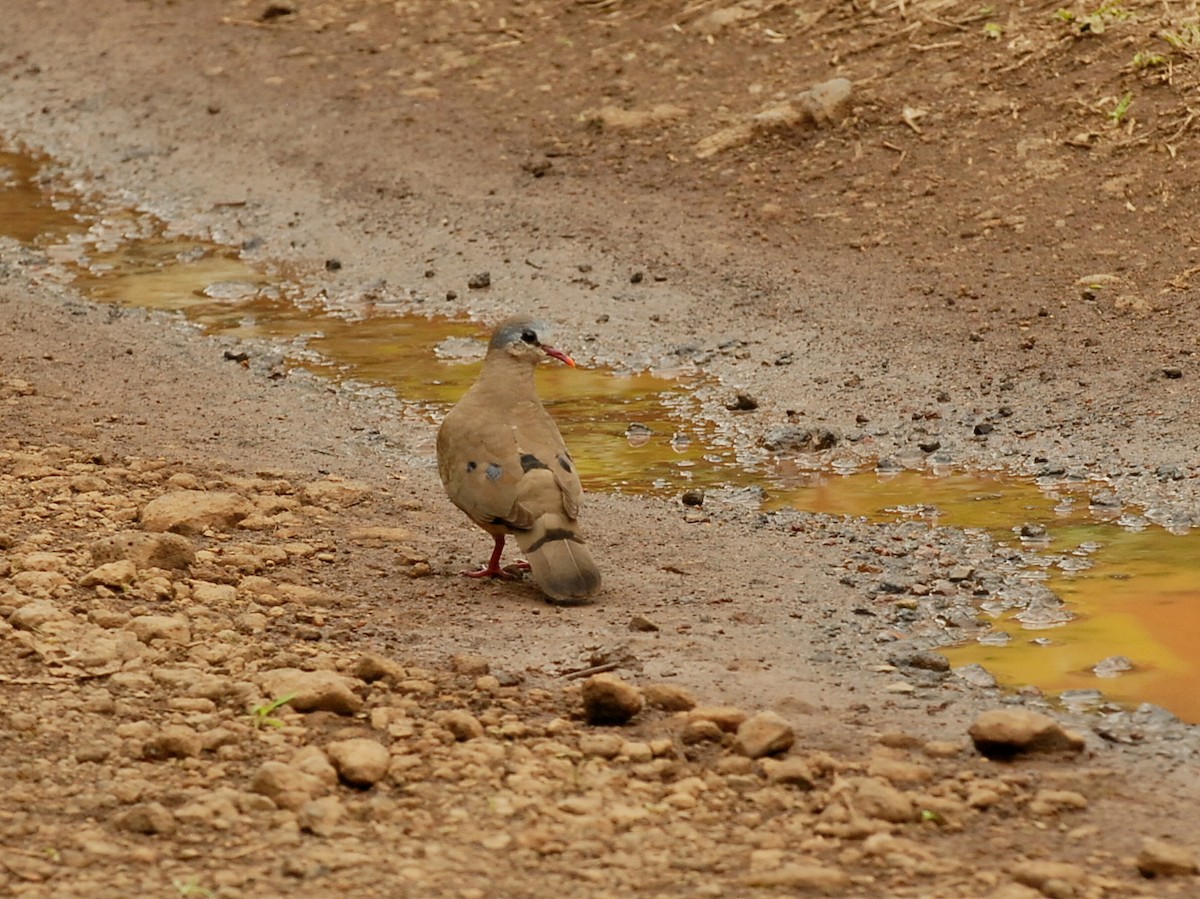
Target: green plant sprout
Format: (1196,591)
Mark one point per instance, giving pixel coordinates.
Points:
(1143,60)
(264,714)
(1186,40)
(992,31)
(1119,111)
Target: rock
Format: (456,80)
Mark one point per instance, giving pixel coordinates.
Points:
(794,772)
(1047,877)
(116,575)
(802,878)
(479,281)
(175,741)
(728,718)
(701,730)
(1113,666)
(742,402)
(372,667)
(332,494)
(469,665)
(669,698)
(1004,733)
(359,761)
(168,551)
(33,615)
(288,786)
(321,816)
(877,799)
(766,733)
(607,699)
(796,439)
(1051,802)
(642,624)
(313,691)
(1161,859)
(461,723)
(604,746)
(194,511)
(169,628)
(151,818)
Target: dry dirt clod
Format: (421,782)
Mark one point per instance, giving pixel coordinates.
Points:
(360,762)
(1158,858)
(765,733)
(609,700)
(1004,733)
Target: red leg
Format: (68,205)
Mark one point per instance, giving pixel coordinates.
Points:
(493,569)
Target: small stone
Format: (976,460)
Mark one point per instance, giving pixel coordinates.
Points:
(701,731)
(669,698)
(1172,373)
(335,493)
(1113,666)
(167,551)
(1041,874)
(168,628)
(116,575)
(802,878)
(607,699)
(175,741)
(1161,859)
(360,762)
(604,746)
(1033,530)
(313,691)
(321,816)
(1004,733)
(34,615)
(1051,802)
(728,718)
(693,497)
(742,402)
(461,723)
(794,772)
(372,667)
(642,624)
(766,733)
(479,280)
(194,511)
(877,799)
(289,786)
(470,665)
(151,818)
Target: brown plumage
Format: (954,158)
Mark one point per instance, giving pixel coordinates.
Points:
(504,463)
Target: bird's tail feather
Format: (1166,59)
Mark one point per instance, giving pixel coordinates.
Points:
(559,560)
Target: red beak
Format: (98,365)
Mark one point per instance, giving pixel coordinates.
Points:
(558,354)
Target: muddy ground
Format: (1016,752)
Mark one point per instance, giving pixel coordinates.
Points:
(986,232)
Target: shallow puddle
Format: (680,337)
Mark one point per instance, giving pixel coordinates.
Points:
(1135,591)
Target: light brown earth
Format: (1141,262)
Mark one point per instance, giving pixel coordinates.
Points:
(977,241)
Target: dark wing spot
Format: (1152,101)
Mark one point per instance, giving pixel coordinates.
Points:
(471,466)
(493,471)
(565,461)
(529,462)
(554,534)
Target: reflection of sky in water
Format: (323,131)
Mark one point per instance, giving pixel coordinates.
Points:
(1134,590)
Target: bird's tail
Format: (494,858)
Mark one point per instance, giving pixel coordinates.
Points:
(559,559)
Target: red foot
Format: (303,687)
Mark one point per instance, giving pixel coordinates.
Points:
(493,569)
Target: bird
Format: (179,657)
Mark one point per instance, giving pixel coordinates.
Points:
(503,462)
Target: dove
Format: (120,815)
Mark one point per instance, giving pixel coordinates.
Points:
(503,462)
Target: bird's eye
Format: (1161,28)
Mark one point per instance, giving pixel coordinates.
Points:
(529,335)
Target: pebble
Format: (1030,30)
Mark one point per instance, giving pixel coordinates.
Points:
(726,717)
(313,691)
(359,761)
(461,723)
(605,746)
(174,741)
(669,697)
(151,818)
(168,628)
(116,575)
(167,551)
(194,511)
(1159,858)
(1004,733)
(607,700)
(765,733)
(33,615)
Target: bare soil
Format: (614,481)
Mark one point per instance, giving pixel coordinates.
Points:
(991,234)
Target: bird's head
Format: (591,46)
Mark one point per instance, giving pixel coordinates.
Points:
(525,338)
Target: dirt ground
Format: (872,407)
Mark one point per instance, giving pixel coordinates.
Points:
(995,227)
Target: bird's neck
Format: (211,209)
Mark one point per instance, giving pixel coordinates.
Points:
(506,375)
